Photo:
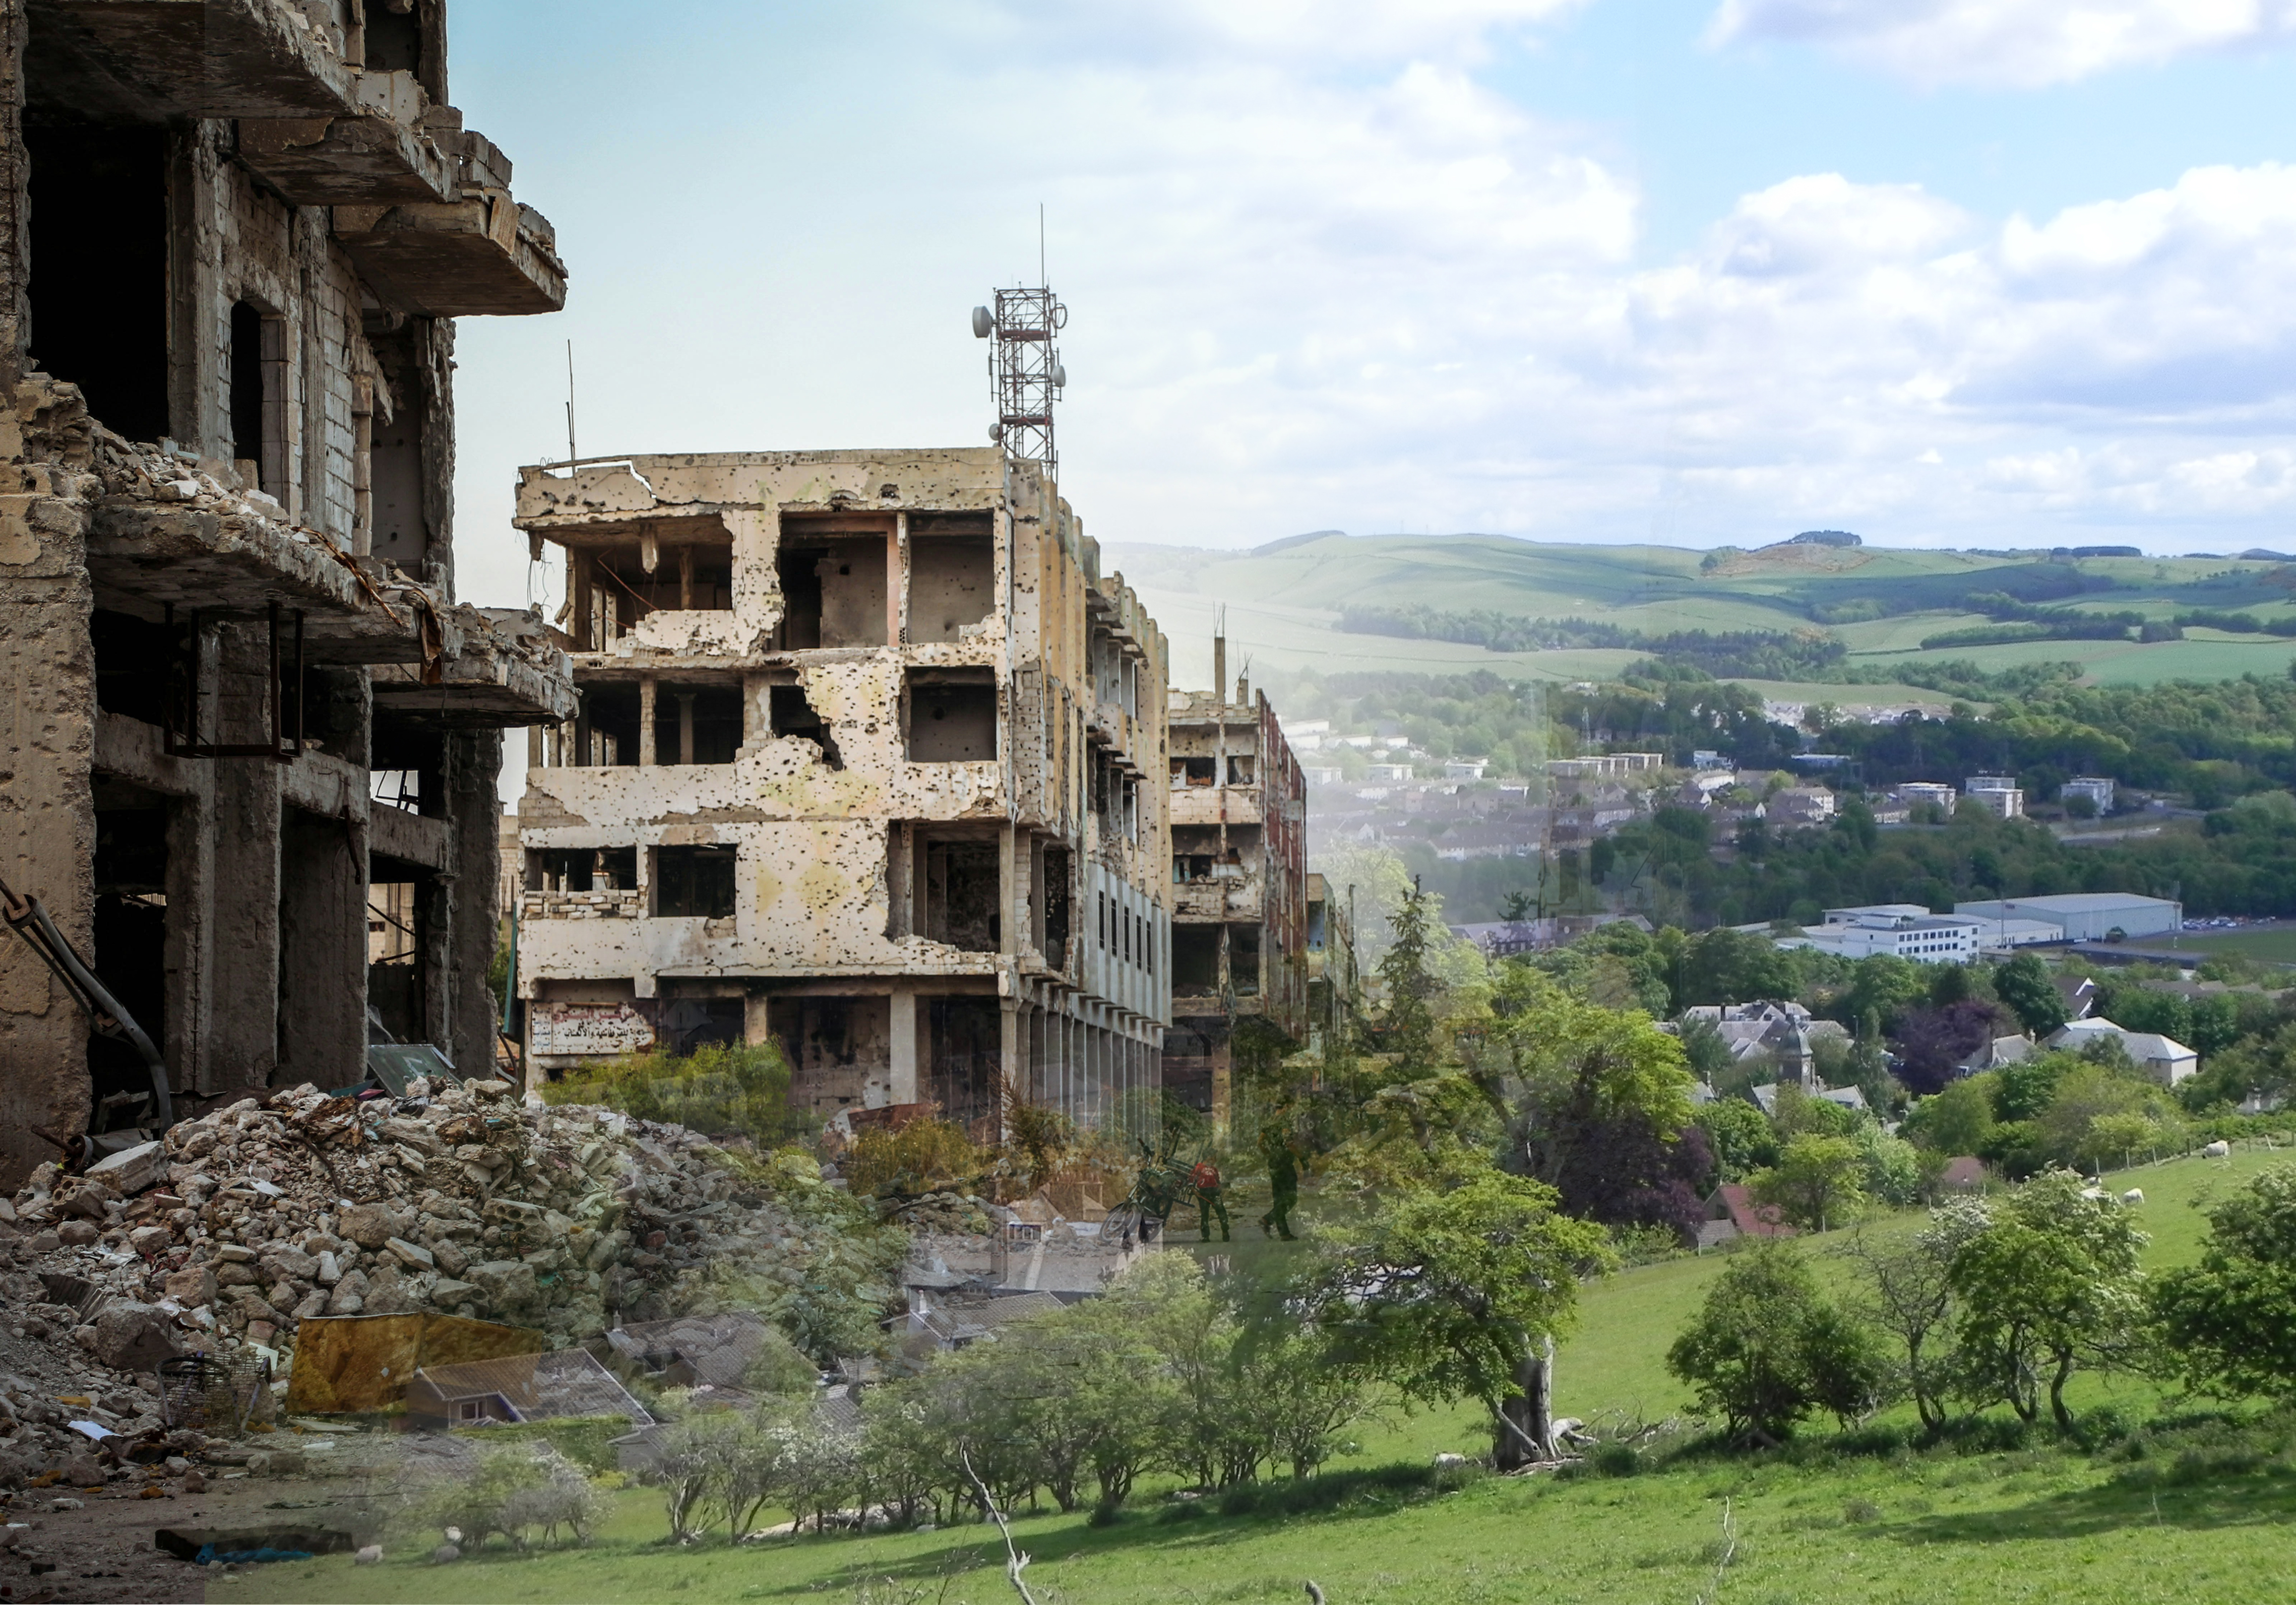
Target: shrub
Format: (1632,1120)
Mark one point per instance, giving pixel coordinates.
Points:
(925,1156)
(720,1088)
(1769,1347)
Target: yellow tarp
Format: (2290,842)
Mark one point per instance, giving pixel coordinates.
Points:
(361,1363)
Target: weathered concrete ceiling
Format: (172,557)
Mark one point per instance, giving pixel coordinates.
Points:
(161,60)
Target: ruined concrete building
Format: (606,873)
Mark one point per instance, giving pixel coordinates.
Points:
(237,234)
(867,763)
(1239,886)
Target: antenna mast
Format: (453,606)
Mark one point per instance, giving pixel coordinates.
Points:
(571,455)
(1024,369)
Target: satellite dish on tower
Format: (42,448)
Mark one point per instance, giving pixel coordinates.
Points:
(983,326)
(1059,377)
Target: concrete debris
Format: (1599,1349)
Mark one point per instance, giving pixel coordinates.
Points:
(455,1201)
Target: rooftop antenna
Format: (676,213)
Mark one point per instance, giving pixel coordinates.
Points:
(570,452)
(1025,373)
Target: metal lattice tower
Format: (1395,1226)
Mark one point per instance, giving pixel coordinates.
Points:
(1025,372)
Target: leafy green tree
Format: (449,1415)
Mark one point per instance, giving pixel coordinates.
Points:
(2089,1095)
(1741,1138)
(2049,1287)
(2022,1089)
(1884,986)
(2228,1324)
(1408,1028)
(1957,1120)
(1818,1183)
(1767,1347)
(1460,1295)
(1909,1296)
(2023,984)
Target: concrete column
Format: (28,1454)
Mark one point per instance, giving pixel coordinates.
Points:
(1223,1082)
(684,726)
(904,1070)
(190,942)
(647,686)
(474,758)
(896,582)
(320,922)
(244,907)
(685,578)
(1009,1057)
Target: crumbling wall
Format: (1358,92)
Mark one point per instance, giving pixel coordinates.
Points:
(48,733)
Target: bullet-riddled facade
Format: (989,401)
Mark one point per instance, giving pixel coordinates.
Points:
(1240,944)
(239,706)
(868,763)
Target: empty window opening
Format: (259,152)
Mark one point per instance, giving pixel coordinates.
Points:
(1188,867)
(696,725)
(610,717)
(1240,769)
(1195,960)
(952,715)
(133,662)
(258,397)
(683,1024)
(1053,897)
(406,764)
(394,37)
(789,713)
(323,938)
(960,889)
(833,594)
(695,882)
(393,951)
(1192,772)
(130,929)
(687,577)
(952,585)
(835,1046)
(399,518)
(1243,960)
(967,1049)
(98,288)
(581,869)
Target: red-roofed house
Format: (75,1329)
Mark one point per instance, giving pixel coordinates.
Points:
(1731,1212)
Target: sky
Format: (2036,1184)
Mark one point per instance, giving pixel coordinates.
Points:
(1946,272)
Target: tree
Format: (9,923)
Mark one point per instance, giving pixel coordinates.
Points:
(2089,1095)
(2023,984)
(2049,1287)
(1767,1347)
(1817,1181)
(1883,986)
(1932,1043)
(2228,1324)
(1741,1137)
(1408,1028)
(1461,1295)
(1909,1295)
(1959,1119)
(1593,1101)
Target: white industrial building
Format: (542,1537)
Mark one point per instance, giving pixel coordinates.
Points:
(2085,917)
(2000,793)
(2097,787)
(1905,931)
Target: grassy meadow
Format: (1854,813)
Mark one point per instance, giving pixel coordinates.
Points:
(2192,1520)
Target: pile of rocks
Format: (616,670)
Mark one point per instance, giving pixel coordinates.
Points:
(232,1227)
(957,1214)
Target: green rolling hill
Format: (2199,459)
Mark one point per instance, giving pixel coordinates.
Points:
(1284,603)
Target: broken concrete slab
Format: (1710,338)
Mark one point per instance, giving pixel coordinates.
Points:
(131,1170)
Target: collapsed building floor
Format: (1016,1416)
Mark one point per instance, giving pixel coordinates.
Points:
(868,763)
(243,230)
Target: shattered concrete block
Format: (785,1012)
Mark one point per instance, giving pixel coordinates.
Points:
(191,1286)
(447,1291)
(330,1271)
(507,1283)
(236,1254)
(134,1337)
(369,1226)
(288,1264)
(150,1240)
(413,1255)
(77,1234)
(131,1170)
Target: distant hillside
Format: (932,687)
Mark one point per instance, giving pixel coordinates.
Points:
(1289,599)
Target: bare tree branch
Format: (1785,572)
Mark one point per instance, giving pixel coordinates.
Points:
(1015,1562)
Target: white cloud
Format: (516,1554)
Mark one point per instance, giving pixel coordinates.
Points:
(1375,294)
(2020,44)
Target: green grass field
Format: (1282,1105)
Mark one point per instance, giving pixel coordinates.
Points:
(2037,1525)
(1283,604)
(2268,946)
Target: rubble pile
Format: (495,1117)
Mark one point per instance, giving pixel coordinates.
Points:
(231,1228)
(949,1214)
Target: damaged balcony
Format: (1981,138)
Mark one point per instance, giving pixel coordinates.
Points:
(480,254)
(189,58)
(170,533)
(382,149)
(509,671)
